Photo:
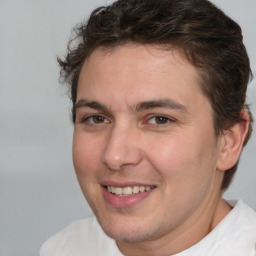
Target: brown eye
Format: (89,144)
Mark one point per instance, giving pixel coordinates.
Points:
(158,120)
(161,120)
(96,119)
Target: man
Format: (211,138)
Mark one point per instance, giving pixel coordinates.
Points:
(160,119)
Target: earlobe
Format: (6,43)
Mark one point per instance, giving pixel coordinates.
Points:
(231,143)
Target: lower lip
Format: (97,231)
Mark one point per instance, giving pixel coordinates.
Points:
(124,201)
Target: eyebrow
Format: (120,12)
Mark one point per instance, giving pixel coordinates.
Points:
(160,103)
(144,105)
(90,104)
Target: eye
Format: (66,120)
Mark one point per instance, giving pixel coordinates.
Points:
(95,119)
(160,120)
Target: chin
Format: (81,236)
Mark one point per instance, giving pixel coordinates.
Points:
(130,231)
(129,236)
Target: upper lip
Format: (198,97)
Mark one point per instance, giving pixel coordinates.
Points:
(125,184)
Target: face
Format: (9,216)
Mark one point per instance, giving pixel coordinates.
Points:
(144,148)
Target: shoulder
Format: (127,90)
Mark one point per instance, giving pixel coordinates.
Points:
(238,230)
(236,234)
(79,237)
(243,215)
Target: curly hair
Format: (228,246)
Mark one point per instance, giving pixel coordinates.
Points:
(209,40)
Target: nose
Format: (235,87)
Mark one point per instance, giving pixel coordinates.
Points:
(122,149)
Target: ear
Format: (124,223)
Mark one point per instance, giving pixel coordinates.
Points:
(231,143)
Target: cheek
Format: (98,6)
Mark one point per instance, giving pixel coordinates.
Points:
(85,155)
(171,156)
(182,161)
(183,165)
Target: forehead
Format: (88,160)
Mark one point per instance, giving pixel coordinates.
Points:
(153,57)
(132,71)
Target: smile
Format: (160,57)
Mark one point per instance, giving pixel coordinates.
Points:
(125,195)
(127,191)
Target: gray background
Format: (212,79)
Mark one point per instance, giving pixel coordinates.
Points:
(39,193)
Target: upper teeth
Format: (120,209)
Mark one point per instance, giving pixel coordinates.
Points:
(127,190)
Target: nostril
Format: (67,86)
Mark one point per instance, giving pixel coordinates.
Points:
(121,148)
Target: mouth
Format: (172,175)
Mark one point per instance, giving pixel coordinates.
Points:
(126,195)
(129,190)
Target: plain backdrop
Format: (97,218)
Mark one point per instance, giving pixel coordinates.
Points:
(39,193)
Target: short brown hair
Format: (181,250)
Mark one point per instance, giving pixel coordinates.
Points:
(210,40)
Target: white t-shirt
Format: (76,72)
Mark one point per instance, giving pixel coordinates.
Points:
(235,235)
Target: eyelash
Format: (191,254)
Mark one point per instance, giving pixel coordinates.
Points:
(87,118)
(167,120)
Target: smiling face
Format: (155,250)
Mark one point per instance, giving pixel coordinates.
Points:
(145,151)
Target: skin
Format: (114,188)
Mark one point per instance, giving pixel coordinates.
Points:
(171,146)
